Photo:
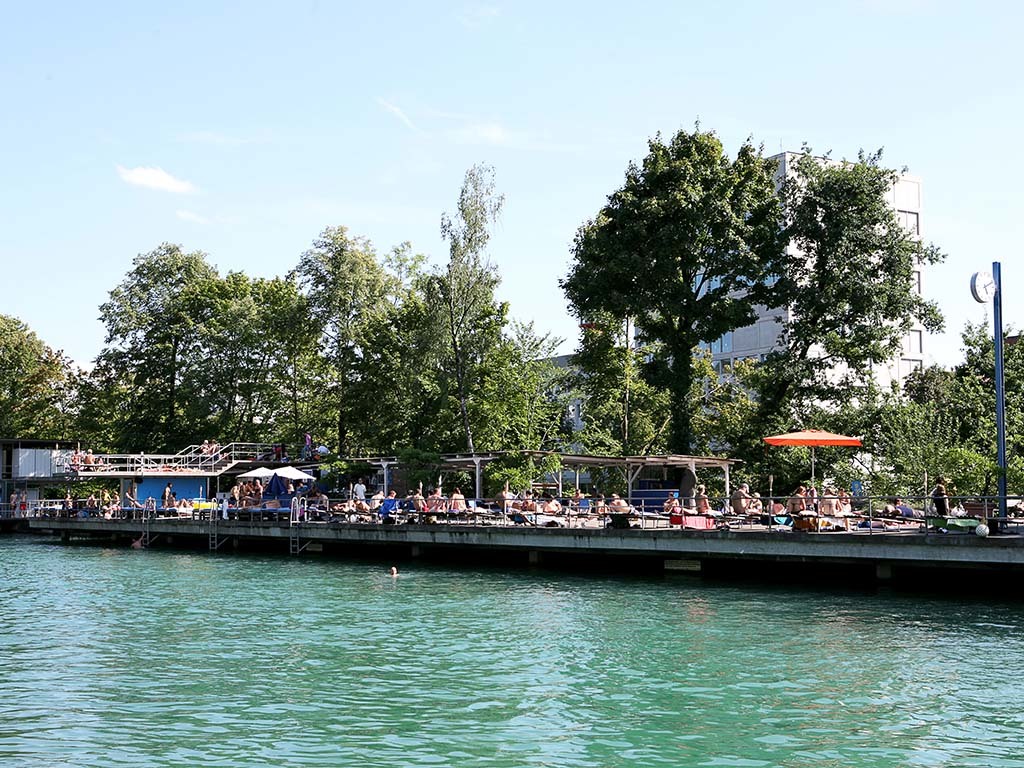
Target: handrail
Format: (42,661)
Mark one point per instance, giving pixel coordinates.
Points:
(186,460)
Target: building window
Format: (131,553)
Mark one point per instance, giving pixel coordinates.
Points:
(917,281)
(722,345)
(916,342)
(907,367)
(910,221)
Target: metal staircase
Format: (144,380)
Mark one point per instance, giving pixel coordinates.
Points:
(187,461)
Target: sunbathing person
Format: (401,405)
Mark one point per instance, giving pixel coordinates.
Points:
(552,507)
(505,499)
(796,504)
(700,499)
(829,504)
(389,506)
(458,501)
(435,501)
(755,506)
(618,504)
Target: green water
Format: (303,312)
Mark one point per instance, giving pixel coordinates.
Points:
(120,657)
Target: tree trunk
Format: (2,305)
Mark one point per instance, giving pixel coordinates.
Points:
(460,378)
(171,393)
(342,426)
(681,437)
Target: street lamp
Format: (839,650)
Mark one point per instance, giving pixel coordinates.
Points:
(986,287)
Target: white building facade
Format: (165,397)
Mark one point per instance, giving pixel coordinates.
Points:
(758,339)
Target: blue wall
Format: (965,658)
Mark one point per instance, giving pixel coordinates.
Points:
(185,487)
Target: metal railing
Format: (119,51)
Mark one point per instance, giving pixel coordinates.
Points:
(189,460)
(870,515)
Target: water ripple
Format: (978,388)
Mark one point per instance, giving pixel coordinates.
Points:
(119,657)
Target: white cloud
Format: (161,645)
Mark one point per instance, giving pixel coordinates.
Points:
(155,178)
(397,112)
(216,139)
(494,134)
(191,216)
(477,14)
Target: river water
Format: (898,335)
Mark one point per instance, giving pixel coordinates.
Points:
(152,658)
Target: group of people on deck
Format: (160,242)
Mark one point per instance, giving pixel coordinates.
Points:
(209,448)
(806,501)
(84,461)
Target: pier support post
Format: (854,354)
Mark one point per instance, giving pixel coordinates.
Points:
(883,572)
(415,551)
(534,557)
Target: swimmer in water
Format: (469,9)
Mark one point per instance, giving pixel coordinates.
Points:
(137,543)
(394,571)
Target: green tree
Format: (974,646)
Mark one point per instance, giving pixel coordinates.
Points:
(473,319)
(623,412)
(402,396)
(36,383)
(255,341)
(847,282)
(153,344)
(685,248)
(347,290)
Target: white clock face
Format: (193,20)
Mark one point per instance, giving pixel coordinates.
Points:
(983,287)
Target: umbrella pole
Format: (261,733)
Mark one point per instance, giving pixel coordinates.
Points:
(812,466)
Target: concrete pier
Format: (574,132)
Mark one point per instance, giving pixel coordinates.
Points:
(876,557)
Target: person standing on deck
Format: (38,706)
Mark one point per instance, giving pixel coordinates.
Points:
(168,496)
(359,490)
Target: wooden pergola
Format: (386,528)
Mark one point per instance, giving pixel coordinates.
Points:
(631,466)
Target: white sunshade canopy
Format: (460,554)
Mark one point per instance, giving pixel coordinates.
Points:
(258,472)
(291,473)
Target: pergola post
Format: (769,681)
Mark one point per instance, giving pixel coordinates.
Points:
(384,467)
(478,477)
(728,491)
(631,475)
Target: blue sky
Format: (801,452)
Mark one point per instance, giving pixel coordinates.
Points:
(243,129)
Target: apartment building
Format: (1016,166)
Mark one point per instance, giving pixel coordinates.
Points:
(760,338)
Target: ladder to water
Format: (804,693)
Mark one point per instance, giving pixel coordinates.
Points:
(215,540)
(297,515)
(148,513)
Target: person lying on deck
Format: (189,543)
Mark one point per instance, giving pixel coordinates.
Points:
(618,504)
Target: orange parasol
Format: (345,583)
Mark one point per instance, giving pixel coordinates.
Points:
(812,438)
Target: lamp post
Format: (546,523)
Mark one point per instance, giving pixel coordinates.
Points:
(989,287)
